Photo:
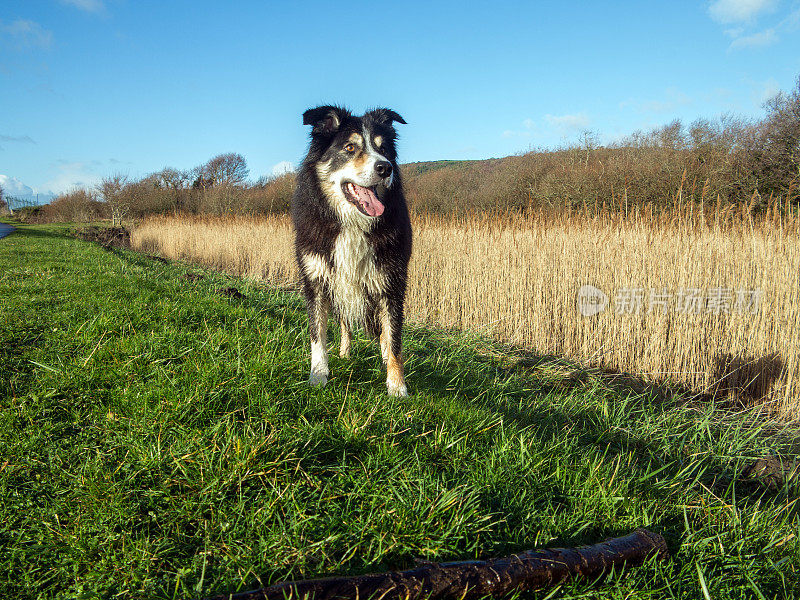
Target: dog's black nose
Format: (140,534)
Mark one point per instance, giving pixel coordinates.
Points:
(383,168)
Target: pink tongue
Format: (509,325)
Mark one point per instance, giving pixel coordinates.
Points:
(368,200)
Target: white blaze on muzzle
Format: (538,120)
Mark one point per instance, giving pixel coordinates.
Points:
(376,157)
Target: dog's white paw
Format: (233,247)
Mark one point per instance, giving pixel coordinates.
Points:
(400,391)
(317,379)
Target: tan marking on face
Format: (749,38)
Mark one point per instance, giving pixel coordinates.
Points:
(378,141)
(360,159)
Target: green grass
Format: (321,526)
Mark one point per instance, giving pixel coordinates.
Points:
(158,441)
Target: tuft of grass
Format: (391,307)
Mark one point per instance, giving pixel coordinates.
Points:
(158,440)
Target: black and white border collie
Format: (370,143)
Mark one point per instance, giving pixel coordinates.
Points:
(353,234)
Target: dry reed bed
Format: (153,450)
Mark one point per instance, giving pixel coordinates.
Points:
(517,279)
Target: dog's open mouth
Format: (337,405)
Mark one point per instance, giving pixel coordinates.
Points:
(365,199)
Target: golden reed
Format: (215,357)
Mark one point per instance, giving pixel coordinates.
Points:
(706,299)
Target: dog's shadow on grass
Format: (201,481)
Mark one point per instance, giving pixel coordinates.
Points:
(442,363)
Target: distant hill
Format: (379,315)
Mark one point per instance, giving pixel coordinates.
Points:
(422,167)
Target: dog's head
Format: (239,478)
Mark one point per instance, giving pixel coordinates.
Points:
(354,157)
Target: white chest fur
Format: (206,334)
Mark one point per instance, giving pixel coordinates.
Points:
(354,274)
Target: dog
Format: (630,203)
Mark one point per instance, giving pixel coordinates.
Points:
(353,235)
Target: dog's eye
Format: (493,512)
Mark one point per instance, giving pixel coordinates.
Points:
(350,148)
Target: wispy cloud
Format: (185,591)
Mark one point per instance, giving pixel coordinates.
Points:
(22,34)
(739,11)
(22,139)
(73,174)
(562,124)
(743,14)
(765,90)
(568,122)
(761,38)
(92,6)
(673,98)
(529,129)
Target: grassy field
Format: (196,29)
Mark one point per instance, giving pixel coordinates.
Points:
(516,279)
(159,441)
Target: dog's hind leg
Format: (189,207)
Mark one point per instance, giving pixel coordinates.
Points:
(318,308)
(384,341)
(344,345)
(391,346)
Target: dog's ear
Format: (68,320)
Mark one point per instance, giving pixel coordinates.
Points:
(325,119)
(385,116)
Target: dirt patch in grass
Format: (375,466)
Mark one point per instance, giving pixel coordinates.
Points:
(231,292)
(108,237)
(773,471)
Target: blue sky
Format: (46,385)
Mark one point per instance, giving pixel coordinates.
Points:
(93,87)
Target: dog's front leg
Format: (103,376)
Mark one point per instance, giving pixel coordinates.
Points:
(391,346)
(318,307)
(344,345)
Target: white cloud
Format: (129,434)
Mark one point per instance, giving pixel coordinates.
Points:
(94,6)
(282,168)
(529,129)
(72,175)
(24,34)
(673,98)
(738,11)
(762,38)
(743,14)
(565,122)
(14,187)
(767,90)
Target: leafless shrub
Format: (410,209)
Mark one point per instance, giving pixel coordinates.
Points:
(267,196)
(79,205)
(772,151)
(115,193)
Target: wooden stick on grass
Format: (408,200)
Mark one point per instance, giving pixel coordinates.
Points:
(466,580)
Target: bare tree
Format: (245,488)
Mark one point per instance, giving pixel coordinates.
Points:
(200,178)
(774,150)
(175,182)
(111,189)
(169,178)
(3,205)
(230,168)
